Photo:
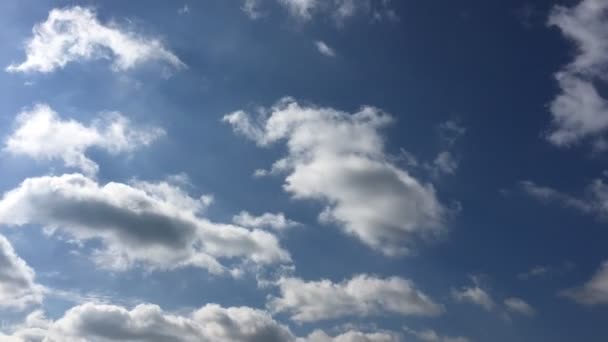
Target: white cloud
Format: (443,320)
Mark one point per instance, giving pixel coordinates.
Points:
(579,111)
(91,322)
(74,34)
(351,336)
(361,296)
(518,305)
(252,9)
(18,288)
(595,291)
(266,221)
(300,9)
(429,335)
(474,295)
(324,49)
(94,322)
(41,134)
(594,201)
(156,225)
(339,10)
(445,163)
(366,193)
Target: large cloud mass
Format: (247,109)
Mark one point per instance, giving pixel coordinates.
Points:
(154,224)
(339,158)
(74,34)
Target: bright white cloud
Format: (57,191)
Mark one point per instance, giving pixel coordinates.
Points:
(156,225)
(366,193)
(474,295)
(594,292)
(339,10)
(324,49)
(518,305)
(351,336)
(75,34)
(594,201)
(18,288)
(94,322)
(361,296)
(429,335)
(41,134)
(91,322)
(579,111)
(265,221)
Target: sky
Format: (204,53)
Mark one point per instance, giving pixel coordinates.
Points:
(304,170)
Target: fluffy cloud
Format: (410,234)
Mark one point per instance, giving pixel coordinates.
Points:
(361,296)
(41,134)
(474,295)
(18,288)
(432,336)
(579,111)
(594,201)
(351,336)
(369,196)
(156,225)
(74,34)
(518,305)
(92,322)
(267,221)
(595,291)
(324,49)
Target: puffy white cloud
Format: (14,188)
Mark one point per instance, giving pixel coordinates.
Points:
(338,158)
(75,34)
(41,134)
(93,322)
(18,287)
(361,296)
(156,225)
(429,335)
(267,221)
(324,49)
(594,201)
(518,305)
(351,336)
(594,292)
(579,111)
(474,295)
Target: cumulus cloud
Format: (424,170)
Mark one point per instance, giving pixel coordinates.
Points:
(18,288)
(75,34)
(157,225)
(594,201)
(518,305)
(324,49)
(579,111)
(594,292)
(429,335)
(352,336)
(93,322)
(361,296)
(42,134)
(365,192)
(474,295)
(265,221)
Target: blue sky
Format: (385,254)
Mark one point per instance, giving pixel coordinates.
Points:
(303,170)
